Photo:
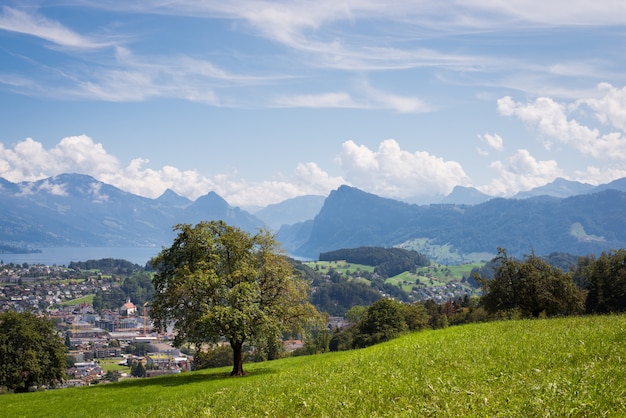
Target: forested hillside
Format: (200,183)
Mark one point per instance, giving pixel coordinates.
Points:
(387,261)
(577,225)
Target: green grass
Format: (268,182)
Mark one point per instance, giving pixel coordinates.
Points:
(443,253)
(340,266)
(573,367)
(113,365)
(84,299)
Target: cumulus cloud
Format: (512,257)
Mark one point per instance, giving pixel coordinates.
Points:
(393,172)
(554,122)
(520,172)
(599,175)
(610,106)
(28,161)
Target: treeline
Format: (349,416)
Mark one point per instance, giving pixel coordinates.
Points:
(388,262)
(532,287)
(513,288)
(107,266)
(138,287)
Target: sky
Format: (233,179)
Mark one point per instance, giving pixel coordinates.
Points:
(262,101)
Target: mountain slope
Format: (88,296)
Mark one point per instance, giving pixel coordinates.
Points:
(78,210)
(291,211)
(582,224)
(558,188)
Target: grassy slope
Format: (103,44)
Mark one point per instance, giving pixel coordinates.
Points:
(557,367)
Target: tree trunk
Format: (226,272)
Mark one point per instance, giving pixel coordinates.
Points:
(237,347)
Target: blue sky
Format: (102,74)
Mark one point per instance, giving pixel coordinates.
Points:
(261,101)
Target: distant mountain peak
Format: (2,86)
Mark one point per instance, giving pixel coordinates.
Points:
(170,197)
(462,195)
(291,211)
(560,187)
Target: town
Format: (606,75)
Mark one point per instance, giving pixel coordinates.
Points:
(103,347)
(114,339)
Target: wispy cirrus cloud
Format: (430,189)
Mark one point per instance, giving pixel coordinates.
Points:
(34,24)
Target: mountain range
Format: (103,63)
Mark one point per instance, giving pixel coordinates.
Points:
(74,210)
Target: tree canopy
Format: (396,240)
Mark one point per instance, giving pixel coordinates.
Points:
(531,286)
(219,281)
(605,280)
(383,321)
(31,352)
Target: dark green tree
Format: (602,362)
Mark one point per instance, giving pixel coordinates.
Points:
(605,278)
(383,321)
(218,356)
(32,353)
(218,281)
(138,369)
(416,316)
(531,286)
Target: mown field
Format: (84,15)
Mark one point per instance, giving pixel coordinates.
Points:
(574,367)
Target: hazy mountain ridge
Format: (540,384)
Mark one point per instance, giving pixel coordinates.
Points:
(77,210)
(291,211)
(582,224)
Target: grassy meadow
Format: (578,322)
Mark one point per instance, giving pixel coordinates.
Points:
(551,367)
(85,299)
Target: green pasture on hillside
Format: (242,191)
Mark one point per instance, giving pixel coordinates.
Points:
(566,367)
(340,266)
(85,299)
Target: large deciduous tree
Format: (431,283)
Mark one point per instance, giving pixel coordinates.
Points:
(531,286)
(219,281)
(32,352)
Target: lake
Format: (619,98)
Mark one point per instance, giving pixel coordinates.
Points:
(62,256)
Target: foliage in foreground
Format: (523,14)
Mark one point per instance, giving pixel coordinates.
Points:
(531,286)
(550,367)
(218,281)
(31,352)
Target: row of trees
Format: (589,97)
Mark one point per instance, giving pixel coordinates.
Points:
(532,287)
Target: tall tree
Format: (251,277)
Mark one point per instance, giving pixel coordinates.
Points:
(532,286)
(219,281)
(32,353)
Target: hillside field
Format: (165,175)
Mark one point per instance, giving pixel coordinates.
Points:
(572,366)
(440,274)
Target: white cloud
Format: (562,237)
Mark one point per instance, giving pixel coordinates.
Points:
(494,141)
(324,100)
(610,107)
(36,25)
(393,172)
(53,189)
(552,121)
(520,172)
(29,161)
(599,175)
(367,97)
